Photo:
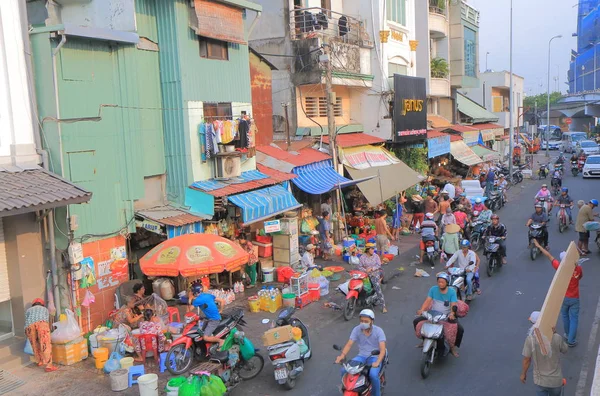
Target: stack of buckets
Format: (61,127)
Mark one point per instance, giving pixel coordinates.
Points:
(101,356)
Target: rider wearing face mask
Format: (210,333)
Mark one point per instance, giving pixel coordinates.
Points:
(369,338)
(539,217)
(465,258)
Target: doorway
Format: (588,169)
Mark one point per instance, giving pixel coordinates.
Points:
(6,320)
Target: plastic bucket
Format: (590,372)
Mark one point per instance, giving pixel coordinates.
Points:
(349,242)
(148,384)
(94,344)
(173,386)
(126,362)
(109,343)
(254,304)
(119,380)
(101,356)
(268,274)
(289,299)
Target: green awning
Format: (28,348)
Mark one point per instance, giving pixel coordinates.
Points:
(485,153)
(473,110)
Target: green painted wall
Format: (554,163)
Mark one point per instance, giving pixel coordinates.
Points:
(112,156)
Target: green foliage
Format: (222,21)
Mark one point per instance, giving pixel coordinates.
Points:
(439,68)
(415,158)
(542,100)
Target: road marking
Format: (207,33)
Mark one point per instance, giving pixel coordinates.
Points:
(585,367)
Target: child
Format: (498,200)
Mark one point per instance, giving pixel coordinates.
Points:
(314,240)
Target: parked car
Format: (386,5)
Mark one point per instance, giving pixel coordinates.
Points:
(589,147)
(570,139)
(553,145)
(592,167)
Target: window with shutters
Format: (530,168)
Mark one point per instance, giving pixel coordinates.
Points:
(213,49)
(317,106)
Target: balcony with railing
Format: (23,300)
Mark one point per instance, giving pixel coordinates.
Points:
(438,18)
(315,22)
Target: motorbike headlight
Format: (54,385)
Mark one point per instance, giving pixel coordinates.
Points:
(360,382)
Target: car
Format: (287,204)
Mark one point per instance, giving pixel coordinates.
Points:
(589,147)
(553,145)
(591,167)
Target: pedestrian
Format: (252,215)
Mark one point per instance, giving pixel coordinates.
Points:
(37,329)
(447,219)
(585,214)
(451,190)
(326,205)
(461,217)
(570,306)
(418,211)
(547,372)
(398,214)
(450,240)
(383,233)
(325,234)
(308,258)
(252,259)
(430,205)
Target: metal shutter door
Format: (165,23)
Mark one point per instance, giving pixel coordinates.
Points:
(4,289)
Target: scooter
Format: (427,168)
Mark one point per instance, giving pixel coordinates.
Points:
(555,183)
(543,171)
(359,293)
(495,200)
(574,168)
(458,280)
(492,252)
(563,218)
(356,381)
(477,228)
(435,345)
(288,358)
(536,231)
(432,251)
(546,203)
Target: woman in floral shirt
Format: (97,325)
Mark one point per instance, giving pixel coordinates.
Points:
(371,264)
(252,260)
(150,325)
(37,329)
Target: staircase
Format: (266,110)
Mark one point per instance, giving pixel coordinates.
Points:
(12,355)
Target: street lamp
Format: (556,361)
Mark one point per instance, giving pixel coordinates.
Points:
(548,108)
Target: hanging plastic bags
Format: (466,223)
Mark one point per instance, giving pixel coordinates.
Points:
(113,363)
(66,330)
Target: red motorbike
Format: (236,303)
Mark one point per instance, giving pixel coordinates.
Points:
(356,381)
(359,293)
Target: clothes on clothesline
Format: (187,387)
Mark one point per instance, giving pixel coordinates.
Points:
(241,132)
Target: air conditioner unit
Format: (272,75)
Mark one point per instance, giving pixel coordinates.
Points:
(228,166)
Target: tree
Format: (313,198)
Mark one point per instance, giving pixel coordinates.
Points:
(542,100)
(439,68)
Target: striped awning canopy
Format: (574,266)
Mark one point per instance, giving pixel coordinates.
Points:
(320,177)
(262,204)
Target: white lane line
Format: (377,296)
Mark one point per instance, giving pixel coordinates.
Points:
(585,367)
(596,384)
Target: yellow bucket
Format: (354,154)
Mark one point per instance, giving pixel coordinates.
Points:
(254,304)
(101,356)
(126,362)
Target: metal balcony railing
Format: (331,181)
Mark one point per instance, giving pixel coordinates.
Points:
(434,8)
(306,23)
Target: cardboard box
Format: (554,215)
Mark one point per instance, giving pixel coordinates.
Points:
(71,353)
(277,335)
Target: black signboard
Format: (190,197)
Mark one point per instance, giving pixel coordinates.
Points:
(410,109)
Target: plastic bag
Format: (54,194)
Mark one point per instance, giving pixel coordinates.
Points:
(28,349)
(191,387)
(354,260)
(113,363)
(216,385)
(66,330)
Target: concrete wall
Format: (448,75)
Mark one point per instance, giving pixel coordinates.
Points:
(102,14)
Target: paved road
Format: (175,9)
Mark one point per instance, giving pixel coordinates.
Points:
(495,328)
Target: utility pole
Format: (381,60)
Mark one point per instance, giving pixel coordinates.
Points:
(511,130)
(287,125)
(330,97)
(548,98)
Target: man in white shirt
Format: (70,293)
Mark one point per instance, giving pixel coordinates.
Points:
(449,187)
(465,258)
(308,258)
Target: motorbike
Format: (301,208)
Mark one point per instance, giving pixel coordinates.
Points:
(580,164)
(563,218)
(237,361)
(555,183)
(476,230)
(288,358)
(546,203)
(574,168)
(355,381)
(432,251)
(543,171)
(495,200)
(492,252)
(458,280)
(435,345)
(359,293)
(536,231)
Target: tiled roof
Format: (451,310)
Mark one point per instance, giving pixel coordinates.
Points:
(435,134)
(31,188)
(354,139)
(481,127)
(275,174)
(242,187)
(438,121)
(455,138)
(170,215)
(301,157)
(462,128)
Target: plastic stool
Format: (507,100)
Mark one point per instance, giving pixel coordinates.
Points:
(173,313)
(163,362)
(137,371)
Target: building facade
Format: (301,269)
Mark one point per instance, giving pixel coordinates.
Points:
(584,72)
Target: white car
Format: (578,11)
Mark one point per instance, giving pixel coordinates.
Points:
(589,147)
(553,145)
(592,166)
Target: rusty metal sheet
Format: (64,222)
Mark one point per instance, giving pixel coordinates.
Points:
(219,21)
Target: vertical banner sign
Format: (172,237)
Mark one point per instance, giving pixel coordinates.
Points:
(410,109)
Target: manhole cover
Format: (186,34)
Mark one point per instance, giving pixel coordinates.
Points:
(8,382)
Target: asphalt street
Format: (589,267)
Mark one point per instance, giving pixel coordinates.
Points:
(495,329)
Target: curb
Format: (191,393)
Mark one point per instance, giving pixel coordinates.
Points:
(596,383)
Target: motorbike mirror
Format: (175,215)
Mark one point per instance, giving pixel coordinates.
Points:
(375,352)
(455,309)
(337,347)
(471,262)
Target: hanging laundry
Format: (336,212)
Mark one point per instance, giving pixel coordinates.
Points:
(202,136)
(243,132)
(211,141)
(218,125)
(228,133)
(252,133)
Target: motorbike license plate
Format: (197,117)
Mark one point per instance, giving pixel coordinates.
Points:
(281,374)
(430,249)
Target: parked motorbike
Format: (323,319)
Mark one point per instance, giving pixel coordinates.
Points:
(435,345)
(356,381)
(563,218)
(432,251)
(543,171)
(191,347)
(288,358)
(359,293)
(492,252)
(536,231)
(574,168)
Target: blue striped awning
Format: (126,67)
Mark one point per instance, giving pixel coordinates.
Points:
(213,184)
(261,204)
(320,177)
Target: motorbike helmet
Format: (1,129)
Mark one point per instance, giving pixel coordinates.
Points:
(544,185)
(476,213)
(465,243)
(429,216)
(444,276)
(495,216)
(539,205)
(477,200)
(368,313)
(502,176)
(565,189)
(594,202)
(197,289)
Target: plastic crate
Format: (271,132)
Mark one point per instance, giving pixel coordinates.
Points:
(264,249)
(303,300)
(68,354)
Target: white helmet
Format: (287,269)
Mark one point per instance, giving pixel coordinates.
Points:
(429,216)
(477,200)
(368,313)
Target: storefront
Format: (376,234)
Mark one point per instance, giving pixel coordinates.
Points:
(410,110)
(464,155)
(486,154)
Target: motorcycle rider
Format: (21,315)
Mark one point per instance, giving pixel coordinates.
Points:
(479,205)
(369,338)
(503,185)
(463,259)
(443,299)
(428,228)
(539,217)
(565,199)
(498,230)
(208,305)
(543,193)
(371,264)
(466,203)
(561,158)
(556,177)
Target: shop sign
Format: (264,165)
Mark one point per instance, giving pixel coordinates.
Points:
(272,226)
(471,138)
(149,225)
(438,146)
(488,134)
(410,109)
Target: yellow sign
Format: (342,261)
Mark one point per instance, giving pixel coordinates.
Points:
(409,105)
(225,249)
(397,36)
(383,36)
(168,256)
(198,254)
